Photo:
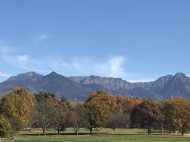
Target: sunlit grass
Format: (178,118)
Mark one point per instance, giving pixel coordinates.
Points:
(101,135)
(104,138)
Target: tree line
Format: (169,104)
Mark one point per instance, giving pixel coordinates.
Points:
(20,109)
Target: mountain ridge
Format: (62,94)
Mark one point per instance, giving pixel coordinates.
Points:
(79,87)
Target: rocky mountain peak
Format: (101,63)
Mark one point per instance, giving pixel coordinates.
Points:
(53,74)
(180,75)
(33,76)
(81,86)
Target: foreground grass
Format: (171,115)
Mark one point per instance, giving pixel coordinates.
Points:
(103,138)
(102,135)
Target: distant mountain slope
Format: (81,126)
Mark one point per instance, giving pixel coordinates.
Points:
(164,87)
(78,88)
(108,83)
(62,86)
(53,82)
(28,80)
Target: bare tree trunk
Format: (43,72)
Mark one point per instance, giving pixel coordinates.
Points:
(58,130)
(149,130)
(182,130)
(44,130)
(91,131)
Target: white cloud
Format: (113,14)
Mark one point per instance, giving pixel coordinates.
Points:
(39,39)
(4,75)
(114,67)
(110,67)
(22,59)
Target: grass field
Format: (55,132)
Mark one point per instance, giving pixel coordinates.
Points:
(107,135)
(103,138)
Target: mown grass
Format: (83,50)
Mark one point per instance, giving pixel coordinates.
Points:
(102,135)
(103,138)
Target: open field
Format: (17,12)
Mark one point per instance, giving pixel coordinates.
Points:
(103,135)
(103,138)
(38,131)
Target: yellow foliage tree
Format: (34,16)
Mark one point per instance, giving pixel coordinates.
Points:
(17,106)
(177,114)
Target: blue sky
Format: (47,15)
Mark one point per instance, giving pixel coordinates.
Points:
(137,40)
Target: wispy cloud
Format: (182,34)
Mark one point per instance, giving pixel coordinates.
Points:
(5,75)
(23,59)
(43,37)
(113,67)
(39,39)
(110,67)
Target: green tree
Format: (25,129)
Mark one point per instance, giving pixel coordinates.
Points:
(43,96)
(64,102)
(97,116)
(49,112)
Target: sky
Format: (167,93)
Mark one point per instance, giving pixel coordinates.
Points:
(136,40)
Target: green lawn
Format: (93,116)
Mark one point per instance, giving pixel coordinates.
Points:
(102,135)
(104,138)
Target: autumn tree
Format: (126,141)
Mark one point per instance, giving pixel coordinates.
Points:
(120,104)
(98,109)
(102,97)
(64,102)
(119,120)
(44,116)
(59,119)
(5,127)
(17,106)
(177,114)
(46,108)
(97,116)
(47,97)
(131,103)
(81,120)
(146,114)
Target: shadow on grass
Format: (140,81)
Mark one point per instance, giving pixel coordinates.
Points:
(60,141)
(94,134)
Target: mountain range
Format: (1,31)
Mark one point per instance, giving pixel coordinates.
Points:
(79,87)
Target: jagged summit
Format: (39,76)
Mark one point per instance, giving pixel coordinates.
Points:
(33,76)
(54,74)
(180,75)
(79,87)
